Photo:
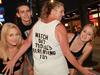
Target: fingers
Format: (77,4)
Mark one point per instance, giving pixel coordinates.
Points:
(88,71)
(11,72)
(4,69)
(7,70)
(89,68)
(91,72)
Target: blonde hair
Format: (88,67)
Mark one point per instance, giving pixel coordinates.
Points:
(3,42)
(47,8)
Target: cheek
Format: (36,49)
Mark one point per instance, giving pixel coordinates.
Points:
(89,38)
(22,14)
(8,40)
(18,38)
(29,14)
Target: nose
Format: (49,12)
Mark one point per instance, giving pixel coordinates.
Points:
(25,14)
(85,35)
(63,14)
(15,37)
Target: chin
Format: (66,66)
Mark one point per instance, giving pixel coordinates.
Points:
(83,40)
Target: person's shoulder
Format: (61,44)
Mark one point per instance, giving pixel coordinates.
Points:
(89,47)
(60,26)
(70,34)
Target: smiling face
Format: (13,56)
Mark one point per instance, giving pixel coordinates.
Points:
(86,34)
(24,13)
(12,37)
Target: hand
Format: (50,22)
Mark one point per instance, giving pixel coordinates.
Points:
(89,68)
(9,68)
(88,71)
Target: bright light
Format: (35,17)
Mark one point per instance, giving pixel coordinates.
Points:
(1,24)
(51,1)
(1,16)
(0,1)
(66,24)
(2,20)
(96,24)
(36,13)
(96,15)
(27,0)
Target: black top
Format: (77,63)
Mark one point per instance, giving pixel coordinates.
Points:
(24,29)
(1,65)
(16,67)
(76,54)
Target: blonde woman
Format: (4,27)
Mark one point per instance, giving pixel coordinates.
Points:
(81,45)
(10,43)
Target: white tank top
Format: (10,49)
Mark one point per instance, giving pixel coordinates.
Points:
(47,54)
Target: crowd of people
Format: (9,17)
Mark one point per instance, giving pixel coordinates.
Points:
(44,43)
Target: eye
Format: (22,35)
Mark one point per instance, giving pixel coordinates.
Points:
(27,10)
(21,11)
(89,34)
(84,31)
(17,34)
(11,35)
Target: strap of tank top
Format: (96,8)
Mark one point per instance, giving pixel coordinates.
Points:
(72,40)
(83,46)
